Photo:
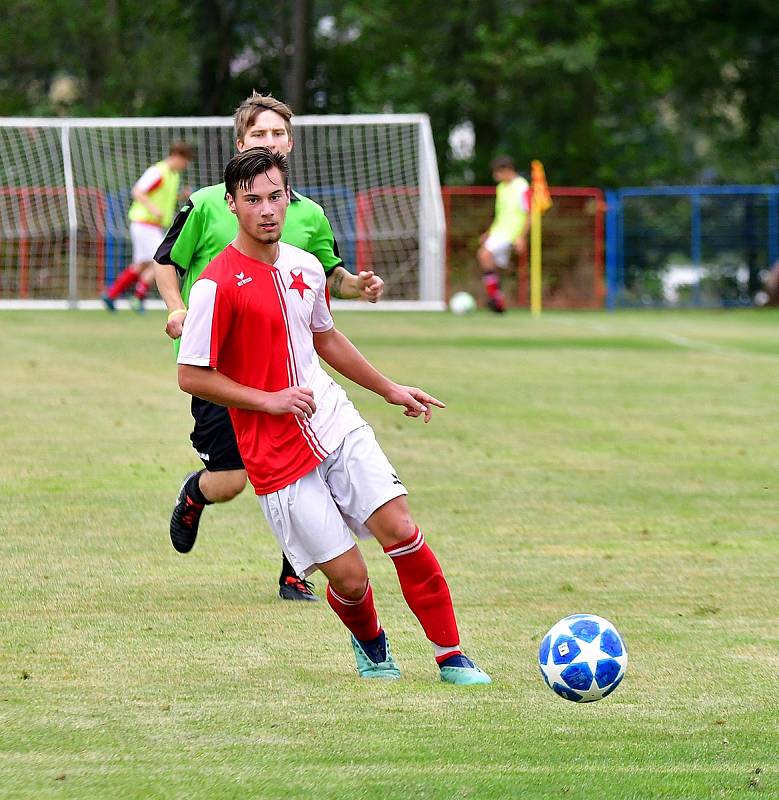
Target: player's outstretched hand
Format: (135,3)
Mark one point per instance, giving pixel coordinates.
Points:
(370,285)
(297,400)
(416,402)
(175,325)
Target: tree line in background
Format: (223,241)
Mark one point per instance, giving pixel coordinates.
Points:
(605,92)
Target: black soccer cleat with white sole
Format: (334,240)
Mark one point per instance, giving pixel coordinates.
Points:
(185,519)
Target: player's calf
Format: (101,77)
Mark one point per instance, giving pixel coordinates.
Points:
(427,593)
(221,486)
(369,642)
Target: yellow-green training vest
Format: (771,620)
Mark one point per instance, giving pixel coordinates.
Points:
(509,209)
(164,196)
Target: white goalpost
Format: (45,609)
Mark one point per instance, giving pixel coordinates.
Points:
(65,191)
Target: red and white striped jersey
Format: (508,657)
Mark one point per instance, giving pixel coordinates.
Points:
(253,322)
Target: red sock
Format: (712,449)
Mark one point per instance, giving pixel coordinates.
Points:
(491,283)
(141,289)
(125,280)
(492,286)
(425,589)
(359,616)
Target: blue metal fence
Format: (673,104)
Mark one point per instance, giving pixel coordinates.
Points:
(689,245)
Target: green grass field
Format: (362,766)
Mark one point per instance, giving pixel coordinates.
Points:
(622,464)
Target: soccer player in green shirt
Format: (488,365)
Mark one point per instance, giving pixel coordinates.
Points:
(509,228)
(200,231)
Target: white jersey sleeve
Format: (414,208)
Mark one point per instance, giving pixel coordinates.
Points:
(523,194)
(197,338)
(150,180)
(321,318)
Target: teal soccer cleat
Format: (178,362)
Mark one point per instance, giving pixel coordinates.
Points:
(461,671)
(368,668)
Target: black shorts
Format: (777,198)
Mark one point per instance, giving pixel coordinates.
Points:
(213,437)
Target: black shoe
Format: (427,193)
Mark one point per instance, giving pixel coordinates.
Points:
(295,588)
(185,519)
(498,306)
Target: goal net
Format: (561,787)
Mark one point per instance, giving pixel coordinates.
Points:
(65,191)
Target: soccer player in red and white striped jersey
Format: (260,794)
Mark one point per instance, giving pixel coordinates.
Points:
(257,325)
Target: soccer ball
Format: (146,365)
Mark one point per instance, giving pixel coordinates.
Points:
(462,303)
(583,658)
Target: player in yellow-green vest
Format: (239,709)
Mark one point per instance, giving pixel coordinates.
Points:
(155,199)
(508,230)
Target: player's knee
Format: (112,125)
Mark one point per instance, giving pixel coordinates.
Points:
(350,580)
(351,586)
(485,260)
(401,529)
(392,523)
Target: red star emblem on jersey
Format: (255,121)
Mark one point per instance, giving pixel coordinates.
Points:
(298,282)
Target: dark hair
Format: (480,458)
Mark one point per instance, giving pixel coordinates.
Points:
(242,169)
(502,162)
(181,149)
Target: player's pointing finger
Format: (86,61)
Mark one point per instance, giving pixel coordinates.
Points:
(430,400)
(427,399)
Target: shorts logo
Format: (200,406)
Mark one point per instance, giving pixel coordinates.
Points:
(205,456)
(396,480)
(242,280)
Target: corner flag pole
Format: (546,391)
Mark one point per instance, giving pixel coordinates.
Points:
(535,257)
(541,201)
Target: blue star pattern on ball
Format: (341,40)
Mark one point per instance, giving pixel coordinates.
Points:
(583,658)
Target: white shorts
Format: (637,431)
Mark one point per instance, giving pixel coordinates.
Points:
(500,249)
(146,239)
(315,517)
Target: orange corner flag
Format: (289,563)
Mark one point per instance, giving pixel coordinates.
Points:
(541,197)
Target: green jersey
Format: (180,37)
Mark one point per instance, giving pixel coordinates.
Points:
(205,226)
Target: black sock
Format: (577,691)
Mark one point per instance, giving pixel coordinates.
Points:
(192,488)
(286,570)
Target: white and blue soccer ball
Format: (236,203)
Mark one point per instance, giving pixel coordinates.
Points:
(583,658)
(462,303)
